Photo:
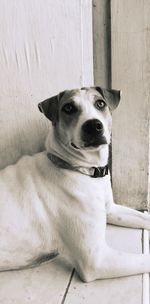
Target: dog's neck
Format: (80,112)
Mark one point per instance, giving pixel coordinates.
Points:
(84,158)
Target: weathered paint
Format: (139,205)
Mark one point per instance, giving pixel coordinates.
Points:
(122,61)
(130,72)
(102,43)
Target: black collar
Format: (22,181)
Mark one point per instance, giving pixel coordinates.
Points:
(93,171)
(100,171)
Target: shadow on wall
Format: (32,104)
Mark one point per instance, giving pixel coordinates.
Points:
(24,134)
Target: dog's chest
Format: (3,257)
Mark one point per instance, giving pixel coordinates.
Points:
(78,192)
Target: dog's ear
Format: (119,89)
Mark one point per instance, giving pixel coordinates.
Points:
(112,97)
(49,107)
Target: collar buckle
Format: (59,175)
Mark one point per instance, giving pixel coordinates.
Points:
(100,171)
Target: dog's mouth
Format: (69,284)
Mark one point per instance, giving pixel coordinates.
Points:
(90,144)
(95,143)
(74,146)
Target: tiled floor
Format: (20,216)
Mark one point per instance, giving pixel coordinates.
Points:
(55,283)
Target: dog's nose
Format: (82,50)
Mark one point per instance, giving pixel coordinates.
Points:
(92,127)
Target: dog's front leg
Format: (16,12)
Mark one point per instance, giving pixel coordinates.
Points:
(127,217)
(109,263)
(118,264)
(84,241)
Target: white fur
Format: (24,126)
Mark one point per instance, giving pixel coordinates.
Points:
(46,209)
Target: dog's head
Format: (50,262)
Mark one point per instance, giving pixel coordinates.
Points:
(82,117)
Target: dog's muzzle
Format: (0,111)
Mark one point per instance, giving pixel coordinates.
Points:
(92,133)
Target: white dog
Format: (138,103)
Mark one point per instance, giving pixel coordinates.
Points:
(58,201)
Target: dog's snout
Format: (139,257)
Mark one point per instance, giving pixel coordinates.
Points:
(98,126)
(92,126)
(92,133)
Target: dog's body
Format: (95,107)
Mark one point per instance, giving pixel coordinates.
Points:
(47,208)
(52,204)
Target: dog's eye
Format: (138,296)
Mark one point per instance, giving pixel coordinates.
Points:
(100,104)
(69,108)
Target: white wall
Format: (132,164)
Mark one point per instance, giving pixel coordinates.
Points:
(45,47)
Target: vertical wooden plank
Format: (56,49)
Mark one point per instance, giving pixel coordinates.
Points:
(102,46)
(149,170)
(145,293)
(87,43)
(102,42)
(130,32)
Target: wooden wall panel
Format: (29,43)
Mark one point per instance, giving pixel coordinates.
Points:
(102,42)
(130,34)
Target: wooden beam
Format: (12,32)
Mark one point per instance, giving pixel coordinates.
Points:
(145,293)
(86,44)
(130,34)
(102,42)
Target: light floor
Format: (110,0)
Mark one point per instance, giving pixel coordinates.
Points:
(56,283)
